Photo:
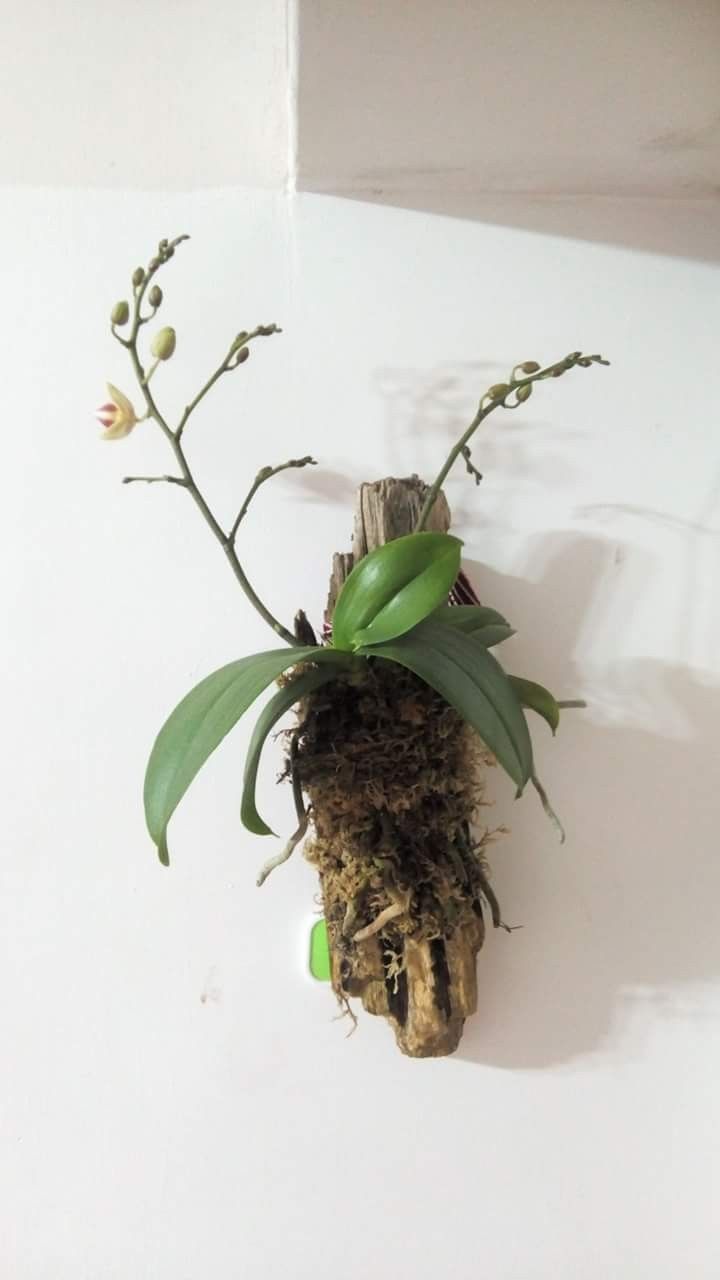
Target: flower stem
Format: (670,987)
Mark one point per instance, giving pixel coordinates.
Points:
(495,398)
(173,437)
(263,475)
(233,358)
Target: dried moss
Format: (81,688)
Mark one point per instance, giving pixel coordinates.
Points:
(395,779)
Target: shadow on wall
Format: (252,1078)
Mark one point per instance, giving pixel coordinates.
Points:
(681,228)
(426,412)
(624,915)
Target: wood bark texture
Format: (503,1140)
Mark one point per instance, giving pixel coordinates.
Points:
(436,989)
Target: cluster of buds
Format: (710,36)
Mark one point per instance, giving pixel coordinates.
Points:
(117,416)
(576,358)
(529,372)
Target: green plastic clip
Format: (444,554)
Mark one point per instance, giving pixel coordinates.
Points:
(319,952)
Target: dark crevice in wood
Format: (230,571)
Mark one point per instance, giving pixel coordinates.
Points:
(441,976)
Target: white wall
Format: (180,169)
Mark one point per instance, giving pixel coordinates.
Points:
(178,1101)
(162,94)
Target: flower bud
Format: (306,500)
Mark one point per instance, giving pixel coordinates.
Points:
(498,391)
(138,276)
(530,366)
(242,355)
(163,344)
(524,393)
(120,313)
(155,296)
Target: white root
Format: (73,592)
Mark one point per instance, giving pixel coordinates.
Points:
(548,807)
(287,852)
(390,913)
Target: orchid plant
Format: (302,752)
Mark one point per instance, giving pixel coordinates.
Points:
(393,608)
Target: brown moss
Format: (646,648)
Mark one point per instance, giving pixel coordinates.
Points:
(395,779)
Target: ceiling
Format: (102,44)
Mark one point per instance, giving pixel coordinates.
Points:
(461,100)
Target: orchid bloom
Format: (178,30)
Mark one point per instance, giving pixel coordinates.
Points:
(117,416)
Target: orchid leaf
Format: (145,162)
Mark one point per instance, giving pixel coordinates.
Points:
(394,587)
(200,722)
(282,701)
(536,698)
(484,624)
(472,682)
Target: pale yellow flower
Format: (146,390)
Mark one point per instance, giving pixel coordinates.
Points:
(117,416)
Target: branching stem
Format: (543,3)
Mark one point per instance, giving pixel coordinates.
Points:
(265,473)
(496,397)
(236,355)
(154,480)
(186,478)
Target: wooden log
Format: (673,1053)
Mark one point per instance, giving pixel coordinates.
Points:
(384,510)
(425,988)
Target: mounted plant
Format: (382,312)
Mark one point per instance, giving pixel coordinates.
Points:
(401,709)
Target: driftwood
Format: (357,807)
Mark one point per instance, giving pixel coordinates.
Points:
(431,988)
(384,510)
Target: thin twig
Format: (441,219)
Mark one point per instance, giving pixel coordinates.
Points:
(265,474)
(155,480)
(233,358)
(571,703)
(496,397)
(470,465)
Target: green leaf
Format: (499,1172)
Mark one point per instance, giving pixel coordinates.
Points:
(486,625)
(200,722)
(395,587)
(536,698)
(473,682)
(281,702)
